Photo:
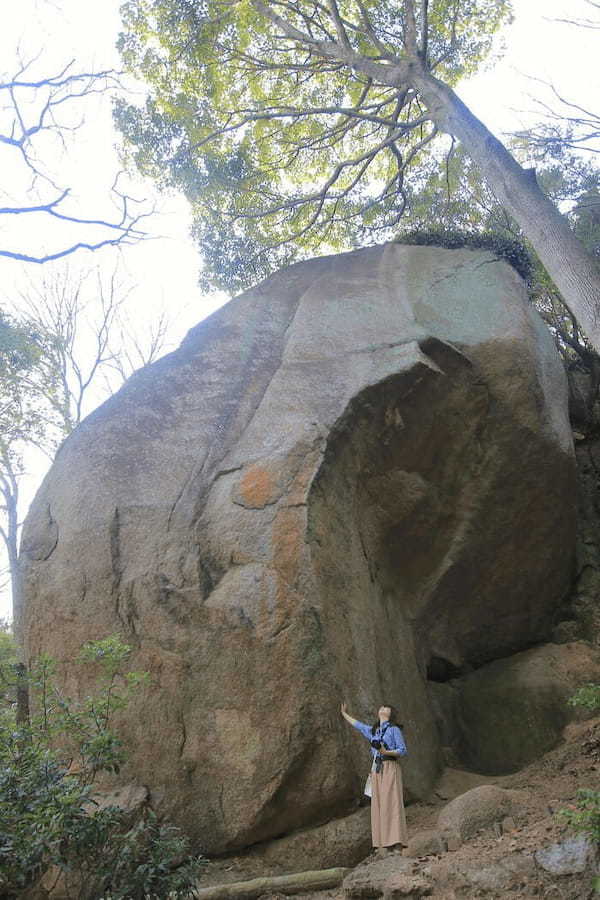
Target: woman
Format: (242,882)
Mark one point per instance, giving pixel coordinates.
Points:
(388,820)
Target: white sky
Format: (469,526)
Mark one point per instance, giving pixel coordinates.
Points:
(164,270)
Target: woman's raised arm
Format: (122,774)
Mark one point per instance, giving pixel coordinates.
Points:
(365,730)
(347,716)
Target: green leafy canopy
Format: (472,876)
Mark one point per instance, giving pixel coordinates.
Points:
(20,350)
(282,144)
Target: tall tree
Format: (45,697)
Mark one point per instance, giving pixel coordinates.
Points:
(20,419)
(292,124)
(70,348)
(89,345)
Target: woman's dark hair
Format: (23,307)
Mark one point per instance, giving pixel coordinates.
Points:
(393,718)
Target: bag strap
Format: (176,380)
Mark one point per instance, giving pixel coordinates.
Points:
(383,730)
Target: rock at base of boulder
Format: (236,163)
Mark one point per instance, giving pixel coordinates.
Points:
(341,842)
(514,710)
(408,887)
(479,808)
(390,877)
(569,857)
(470,879)
(426,843)
(501,876)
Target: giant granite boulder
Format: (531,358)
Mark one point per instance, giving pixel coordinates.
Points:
(354,475)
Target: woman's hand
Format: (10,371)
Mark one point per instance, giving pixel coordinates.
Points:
(346,715)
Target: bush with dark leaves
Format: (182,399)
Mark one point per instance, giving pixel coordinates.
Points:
(50,821)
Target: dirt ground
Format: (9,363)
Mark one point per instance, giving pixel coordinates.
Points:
(551,784)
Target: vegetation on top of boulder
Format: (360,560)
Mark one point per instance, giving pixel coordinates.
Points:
(510,249)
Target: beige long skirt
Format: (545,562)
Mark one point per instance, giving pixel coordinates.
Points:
(388,820)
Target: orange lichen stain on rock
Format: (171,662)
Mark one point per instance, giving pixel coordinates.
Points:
(258,487)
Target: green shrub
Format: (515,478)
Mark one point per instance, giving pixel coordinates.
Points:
(48,814)
(514,252)
(147,863)
(587,696)
(8,659)
(584,815)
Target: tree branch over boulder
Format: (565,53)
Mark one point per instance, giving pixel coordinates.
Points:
(296,126)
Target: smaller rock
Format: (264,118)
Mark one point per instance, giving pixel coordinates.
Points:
(500,876)
(569,857)
(479,808)
(447,877)
(411,886)
(370,879)
(514,709)
(425,843)
(521,864)
(340,842)
(490,878)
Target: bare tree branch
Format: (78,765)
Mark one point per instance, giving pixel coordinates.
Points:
(424,30)
(410,28)
(138,350)
(563,127)
(42,98)
(30,110)
(582,23)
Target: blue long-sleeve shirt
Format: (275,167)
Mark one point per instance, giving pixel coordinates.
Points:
(393,737)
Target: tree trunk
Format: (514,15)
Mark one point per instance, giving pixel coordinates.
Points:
(574,272)
(22,714)
(11,540)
